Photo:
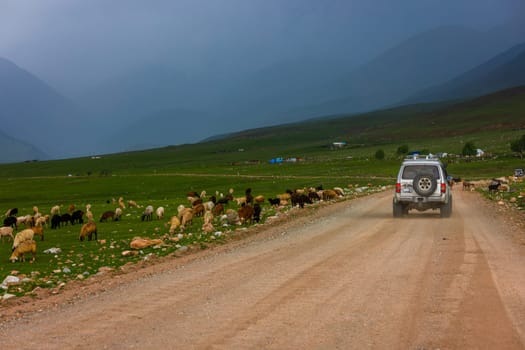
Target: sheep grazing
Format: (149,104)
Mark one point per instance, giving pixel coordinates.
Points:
(11,212)
(245,213)
(23,248)
(121,203)
(147,214)
(218,209)
(118,214)
(494,185)
(24,235)
(35,210)
(208,222)
(186,217)
(174,224)
(42,221)
(299,198)
(198,210)
(55,221)
(259,199)
(257,212)
(231,217)
(10,221)
(38,231)
(274,201)
(106,215)
(77,217)
(55,210)
(248,195)
(159,213)
(88,230)
(6,232)
(132,204)
(329,195)
(66,218)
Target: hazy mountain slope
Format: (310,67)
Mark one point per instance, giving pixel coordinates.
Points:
(504,70)
(163,128)
(34,112)
(14,150)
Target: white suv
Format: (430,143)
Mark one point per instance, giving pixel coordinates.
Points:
(422,184)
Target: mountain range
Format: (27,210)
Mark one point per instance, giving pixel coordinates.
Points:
(157,105)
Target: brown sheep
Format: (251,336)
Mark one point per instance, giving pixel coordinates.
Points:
(106,215)
(87,230)
(174,224)
(329,194)
(198,210)
(23,248)
(245,213)
(39,231)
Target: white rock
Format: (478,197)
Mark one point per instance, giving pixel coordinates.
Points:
(8,280)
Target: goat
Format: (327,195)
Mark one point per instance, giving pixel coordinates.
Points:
(494,186)
(25,247)
(10,221)
(87,230)
(245,213)
(106,215)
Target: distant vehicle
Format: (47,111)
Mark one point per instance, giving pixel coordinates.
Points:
(519,172)
(422,184)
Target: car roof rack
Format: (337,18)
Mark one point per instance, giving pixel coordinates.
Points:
(421,156)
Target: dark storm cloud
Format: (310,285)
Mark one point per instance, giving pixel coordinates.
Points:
(74,43)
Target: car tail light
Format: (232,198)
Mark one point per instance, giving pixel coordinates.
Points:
(443,188)
(398,188)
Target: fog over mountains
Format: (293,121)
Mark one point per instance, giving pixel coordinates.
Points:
(160,101)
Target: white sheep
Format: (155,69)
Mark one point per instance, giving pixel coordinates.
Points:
(22,236)
(55,210)
(160,213)
(6,232)
(147,214)
(118,214)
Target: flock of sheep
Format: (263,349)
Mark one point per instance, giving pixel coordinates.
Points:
(215,210)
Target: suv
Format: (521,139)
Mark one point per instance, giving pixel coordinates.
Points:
(422,183)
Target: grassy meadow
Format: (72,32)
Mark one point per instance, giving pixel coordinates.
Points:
(162,177)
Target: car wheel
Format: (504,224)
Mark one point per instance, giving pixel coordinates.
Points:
(397,210)
(446,210)
(424,184)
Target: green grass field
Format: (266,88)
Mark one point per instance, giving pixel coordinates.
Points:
(162,177)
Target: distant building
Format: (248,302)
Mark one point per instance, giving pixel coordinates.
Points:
(339,144)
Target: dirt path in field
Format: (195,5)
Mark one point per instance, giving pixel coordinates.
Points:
(347,276)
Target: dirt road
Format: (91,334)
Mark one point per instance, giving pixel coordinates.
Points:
(348,277)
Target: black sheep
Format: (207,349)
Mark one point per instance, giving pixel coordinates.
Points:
(12,212)
(55,221)
(10,221)
(256,212)
(66,218)
(76,217)
(274,201)
(494,186)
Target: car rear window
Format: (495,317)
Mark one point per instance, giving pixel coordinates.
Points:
(410,171)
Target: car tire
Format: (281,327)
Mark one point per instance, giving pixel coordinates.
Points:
(397,210)
(424,184)
(446,210)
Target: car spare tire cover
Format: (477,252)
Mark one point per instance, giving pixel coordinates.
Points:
(424,184)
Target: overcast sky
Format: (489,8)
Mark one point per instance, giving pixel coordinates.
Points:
(75,43)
